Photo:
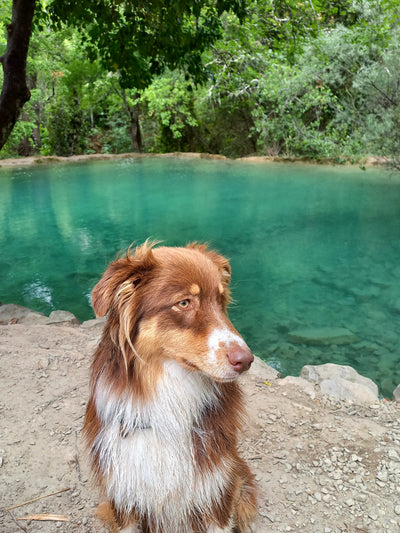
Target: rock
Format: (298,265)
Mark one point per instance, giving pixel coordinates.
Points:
(16,313)
(341,382)
(33,318)
(62,316)
(396,394)
(365,294)
(393,455)
(11,313)
(303,384)
(263,371)
(94,323)
(346,390)
(394,305)
(322,336)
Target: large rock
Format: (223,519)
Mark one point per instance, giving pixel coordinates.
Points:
(301,383)
(97,323)
(322,336)
(341,382)
(57,317)
(263,371)
(33,319)
(394,304)
(10,313)
(396,394)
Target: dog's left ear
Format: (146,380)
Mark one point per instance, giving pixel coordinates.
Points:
(130,269)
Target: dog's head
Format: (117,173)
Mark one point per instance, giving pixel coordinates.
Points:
(170,303)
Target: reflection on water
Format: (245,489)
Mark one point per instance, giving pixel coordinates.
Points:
(310,246)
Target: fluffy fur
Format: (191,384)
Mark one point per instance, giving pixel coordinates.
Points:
(165,408)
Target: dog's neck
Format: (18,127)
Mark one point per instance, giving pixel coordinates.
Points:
(176,405)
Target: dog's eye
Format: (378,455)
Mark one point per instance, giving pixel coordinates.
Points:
(184,304)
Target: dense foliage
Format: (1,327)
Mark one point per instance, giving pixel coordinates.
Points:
(314,79)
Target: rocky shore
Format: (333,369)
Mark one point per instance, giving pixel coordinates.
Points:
(54,159)
(325,449)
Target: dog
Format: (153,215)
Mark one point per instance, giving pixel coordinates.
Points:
(165,408)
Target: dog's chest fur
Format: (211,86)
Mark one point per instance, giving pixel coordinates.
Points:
(146,450)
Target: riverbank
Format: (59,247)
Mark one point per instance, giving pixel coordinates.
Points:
(322,465)
(48,160)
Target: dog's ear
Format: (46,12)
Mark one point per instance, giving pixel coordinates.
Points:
(131,269)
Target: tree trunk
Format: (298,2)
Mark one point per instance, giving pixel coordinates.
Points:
(133,112)
(135,132)
(15,92)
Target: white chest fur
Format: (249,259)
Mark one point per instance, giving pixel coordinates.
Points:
(146,451)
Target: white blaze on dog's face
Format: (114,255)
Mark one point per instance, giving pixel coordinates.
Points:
(184,314)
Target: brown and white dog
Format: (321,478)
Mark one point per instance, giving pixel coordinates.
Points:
(165,408)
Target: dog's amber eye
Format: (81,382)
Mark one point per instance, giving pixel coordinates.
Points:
(184,304)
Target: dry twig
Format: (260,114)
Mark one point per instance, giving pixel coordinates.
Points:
(15,520)
(45,517)
(36,499)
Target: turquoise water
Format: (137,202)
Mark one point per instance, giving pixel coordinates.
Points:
(310,246)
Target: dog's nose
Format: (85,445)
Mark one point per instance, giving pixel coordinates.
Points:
(240,358)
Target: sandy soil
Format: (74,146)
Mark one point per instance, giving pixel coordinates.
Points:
(321,466)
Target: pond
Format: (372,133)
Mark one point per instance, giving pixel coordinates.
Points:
(310,246)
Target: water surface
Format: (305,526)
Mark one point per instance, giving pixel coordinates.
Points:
(310,246)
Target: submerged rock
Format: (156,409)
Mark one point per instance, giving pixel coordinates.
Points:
(394,305)
(365,294)
(341,382)
(322,336)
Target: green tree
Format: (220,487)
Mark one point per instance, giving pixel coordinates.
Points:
(138,40)
(141,39)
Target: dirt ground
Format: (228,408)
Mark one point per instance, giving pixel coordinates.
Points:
(322,466)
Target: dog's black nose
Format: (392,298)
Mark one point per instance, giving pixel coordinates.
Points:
(240,358)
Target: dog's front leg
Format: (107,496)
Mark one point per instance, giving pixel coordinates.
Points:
(227,529)
(216,529)
(130,529)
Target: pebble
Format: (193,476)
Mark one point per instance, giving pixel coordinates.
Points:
(382,476)
(393,455)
